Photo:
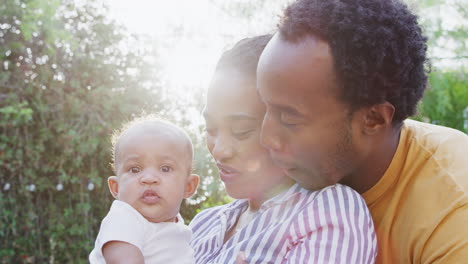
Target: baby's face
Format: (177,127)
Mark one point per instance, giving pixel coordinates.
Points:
(153,172)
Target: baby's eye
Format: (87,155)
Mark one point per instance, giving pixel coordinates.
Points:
(166,168)
(135,170)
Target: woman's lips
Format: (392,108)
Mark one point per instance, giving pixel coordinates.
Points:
(150,197)
(227,173)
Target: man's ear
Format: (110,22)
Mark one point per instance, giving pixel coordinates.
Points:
(191,185)
(377,117)
(113,183)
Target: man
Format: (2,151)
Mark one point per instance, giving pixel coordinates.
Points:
(339,80)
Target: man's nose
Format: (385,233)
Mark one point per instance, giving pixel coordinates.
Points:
(269,137)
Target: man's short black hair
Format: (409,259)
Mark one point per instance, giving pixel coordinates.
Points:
(378,48)
(244,56)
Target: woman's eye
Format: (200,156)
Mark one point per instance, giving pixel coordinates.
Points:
(242,134)
(166,168)
(135,170)
(210,131)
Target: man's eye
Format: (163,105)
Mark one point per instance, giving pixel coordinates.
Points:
(288,120)
(135,170)
(166,168)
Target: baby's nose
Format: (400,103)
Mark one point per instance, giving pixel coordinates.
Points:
(150,176)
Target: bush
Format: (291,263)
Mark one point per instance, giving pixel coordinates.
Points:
(70,77)
(446,100)
(65,85)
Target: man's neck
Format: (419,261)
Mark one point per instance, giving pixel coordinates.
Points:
(373,168)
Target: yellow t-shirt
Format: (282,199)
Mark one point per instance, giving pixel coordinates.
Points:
(420,206)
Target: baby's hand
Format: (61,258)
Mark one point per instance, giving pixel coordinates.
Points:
(241,259)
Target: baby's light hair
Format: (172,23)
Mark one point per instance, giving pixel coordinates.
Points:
(150,119)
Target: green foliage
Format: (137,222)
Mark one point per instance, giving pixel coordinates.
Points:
(64,87)
(446,25)
(69,78)
(446,100)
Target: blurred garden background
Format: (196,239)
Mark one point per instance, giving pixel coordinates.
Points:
(72,71)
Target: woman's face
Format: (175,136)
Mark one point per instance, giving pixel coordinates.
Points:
(233,116)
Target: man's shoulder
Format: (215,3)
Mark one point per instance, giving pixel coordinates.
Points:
(434,136)
(444,150)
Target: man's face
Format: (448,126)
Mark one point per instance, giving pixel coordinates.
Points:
(307,129)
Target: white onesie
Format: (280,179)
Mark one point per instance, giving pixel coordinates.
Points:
(166,242)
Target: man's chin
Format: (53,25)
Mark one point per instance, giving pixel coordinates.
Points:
(289,172)
(306,180)
(294,174)
(310,186)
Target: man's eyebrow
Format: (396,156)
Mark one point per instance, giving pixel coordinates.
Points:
(286,109)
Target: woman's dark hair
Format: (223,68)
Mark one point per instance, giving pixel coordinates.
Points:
(244,55)
(378,48)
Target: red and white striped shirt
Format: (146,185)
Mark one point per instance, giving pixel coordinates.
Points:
(331,225)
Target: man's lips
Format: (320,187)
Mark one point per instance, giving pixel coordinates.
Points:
(150,197)
(283,165)
(227,173)
(280,163)
(289,171)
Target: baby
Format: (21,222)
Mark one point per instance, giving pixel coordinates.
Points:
(152,161)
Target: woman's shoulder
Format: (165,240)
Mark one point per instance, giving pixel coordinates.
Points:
(208,212)
(341,191)
(334,193)
(211,213)
(338,200)
(338,208)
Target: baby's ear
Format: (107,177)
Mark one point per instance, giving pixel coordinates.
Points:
(113,183)
(191,185)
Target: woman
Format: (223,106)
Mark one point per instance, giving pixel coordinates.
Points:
(273,220)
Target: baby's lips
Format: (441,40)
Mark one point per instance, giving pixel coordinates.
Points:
(150,197)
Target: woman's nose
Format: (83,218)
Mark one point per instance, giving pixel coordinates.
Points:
(222,149)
